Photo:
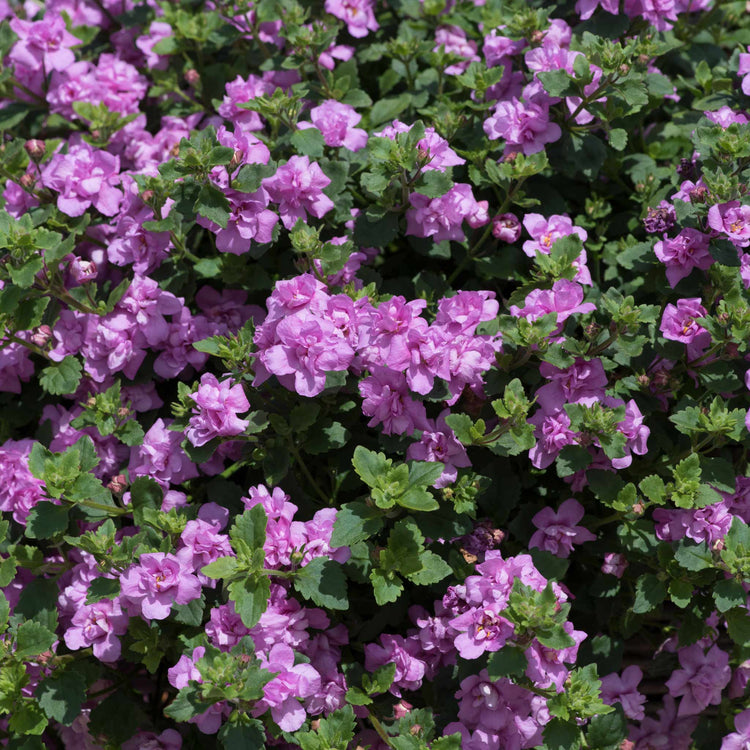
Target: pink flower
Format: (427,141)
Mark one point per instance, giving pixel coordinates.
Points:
(558,531)
(160,457)
(481,629)
(395,650)
(440,444)
(358,15)
(688,250)
(297,187)
(283,692)
(43,45)
(336,122)
(218,405)
(678,322)
(453,40)
(506,227)
(565,299)
(525,126)
(733,220)
(98,625)
(703,676)
(623,689)
(441,218)
(744,70)
(614,564)
(739,740)
(159,580)
(84,177)
(385,399)
(441,155)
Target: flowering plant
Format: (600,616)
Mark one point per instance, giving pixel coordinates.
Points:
(373,374)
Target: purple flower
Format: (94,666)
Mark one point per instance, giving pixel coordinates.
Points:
(481,629)
(453,40)
(565,299)
(525,126)
(305,349)
(84,177)
(744,70)
(678,322)
(169,739)
(216,410)
(739,740)
(553,433)
(703,676)
(688,250)
(440,444)
(97,626)
(409,670)
(43,45)
(506,227)
(160,457)
(733,220)
(159,580)
(660,219)
(205,545)
(558,531)
(297,187)
(614,564)
(291,682)
(386,399)
(441,155)
(623,689)
(225,628)
(358,15)
(336,122)
(441,218)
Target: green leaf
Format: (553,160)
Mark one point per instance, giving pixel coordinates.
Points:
(692,556)
(607,731)
(102,588)
(4,612)
(738,624)
(509,661)
(380,680)
(250,597)
(434,183)
(618,139)
(558,82)
(375,233)
(386,585)
(561,735)
(653,488)
(385,110)
(434,569)
(681,592)
(308,141)
(213,205)
(223,567)
(146,493)
(250,528)
(46,520)
(650,592)
(242,736)
(323,581)
(728,594)
(28,718)
(354,523)
(33,639)
(61,696)
(370,466)
(572,459)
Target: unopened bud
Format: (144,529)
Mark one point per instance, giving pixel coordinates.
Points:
(27,180)
(401,709)
(509,158)
(83,270)
(638,509)
(643,380)
(731,350)
(627,745)
(661,378)
(123,411)
(471,559)
(506,227)
(147,195)
(718,545)
(237,158)
(96,134)
(315,725)
(118,484)
(537,36)
(624,69)
(644,59)
(592,330)
(41,335)
(415,730)
(35,148)
(192,77)
(90,402)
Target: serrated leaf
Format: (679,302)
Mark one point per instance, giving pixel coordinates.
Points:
(618,139)
(213,205)
(308,141)
(250,528)
(61,696)
(61,378)
(370,466)
(354,523)
(728,594)
(33,639)
(693,557)
(46,520)
(250,597)
(386,585)
(323,581)
(650,592)
(434,569)
(102,588)
(509,661)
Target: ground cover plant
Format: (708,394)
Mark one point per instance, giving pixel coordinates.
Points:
(374,374)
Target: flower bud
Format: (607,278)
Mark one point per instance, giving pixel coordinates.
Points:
(192,77)
(537,36)
(35,149)
(83,270)
(643,380)
(236,159)
(27,180)
(117,484)
(638,509)
(41,335)
(506,227)
(401,709)
(147,195)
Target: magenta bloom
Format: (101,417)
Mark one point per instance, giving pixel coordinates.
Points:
(688,250)
(297,187)
(739,740)
(703,676)
(160,457)
(440,444)
(545,232)
(97,626)
(623,689)
(525,126)
(441,218)
(84,177)
(292,682)
(558,531)
(565,299)
(217,407)
(307,348)
(744,70)
(481,629)
(733,220)
(409,669)
(159,580)
(432,145)
(453,40)
(506,227)
(678,322)
(386,399)
(43,45)
(336,122)
(358,15)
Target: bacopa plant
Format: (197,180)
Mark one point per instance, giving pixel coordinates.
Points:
(374,374)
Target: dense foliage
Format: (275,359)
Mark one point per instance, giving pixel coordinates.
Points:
(373,374)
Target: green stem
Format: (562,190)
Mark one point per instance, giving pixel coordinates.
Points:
(380,729)
(470,253)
